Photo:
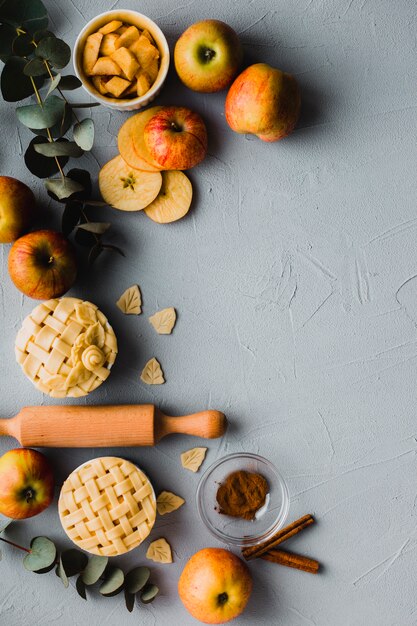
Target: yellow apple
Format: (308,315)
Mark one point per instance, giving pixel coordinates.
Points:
(215,586)
(17,208)
(263,101)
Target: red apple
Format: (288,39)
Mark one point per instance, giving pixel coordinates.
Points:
(43,264)
(17,208)
(207,56)
(176,138)
(264,101)
(26,483)
(215,586)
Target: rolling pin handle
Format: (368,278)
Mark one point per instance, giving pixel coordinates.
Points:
(206,424)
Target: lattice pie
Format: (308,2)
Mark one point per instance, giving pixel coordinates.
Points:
(66,347)
(107,506)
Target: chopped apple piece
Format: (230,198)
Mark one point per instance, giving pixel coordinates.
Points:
(91,52)
(152,70)
(106,66)
(173,200)
(132,90)
(127,61)
(108,44)
(148,35)
(122,29)
(132,145)
(144,51)
(126,188)
(127,38)
(143,84)
(110,27)
(100,83)
(116,86)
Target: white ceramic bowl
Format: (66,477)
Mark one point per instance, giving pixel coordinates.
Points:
(136,19)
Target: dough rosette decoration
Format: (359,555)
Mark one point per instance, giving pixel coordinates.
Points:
(92,358)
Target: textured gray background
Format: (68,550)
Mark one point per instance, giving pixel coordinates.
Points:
(295,281)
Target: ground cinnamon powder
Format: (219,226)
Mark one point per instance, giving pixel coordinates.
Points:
(242,494)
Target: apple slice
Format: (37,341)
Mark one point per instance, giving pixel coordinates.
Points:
(110,27)
(107,46)
(173,200)
(131,143)
(91,52)
(126,188)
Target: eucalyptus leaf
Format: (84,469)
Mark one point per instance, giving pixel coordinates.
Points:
(87,240)
(96,203)
(69,83)
(97,228)
(35,67)
(83,134)
(136,579)
(45,570)
(53,84)
(85,105)
(55,51)
(23,45)
(41,34)
(42,166)
(30,14)
(108,246)
(60,571)
(42,554)
(59,148)
(7,36)
(95,568)
(60,128)
(15,85)
(70,218)
(149,594)
(80,586)
(73,561)
(113,583)
(63,187)
(129,600)
(95,252)
(83,177)
(45,116)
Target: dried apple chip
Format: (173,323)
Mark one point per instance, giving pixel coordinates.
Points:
(164,321)
(174,198)
(152,373)
(126,188)
(130,302)
(159,551)
(193,459)
(167,502)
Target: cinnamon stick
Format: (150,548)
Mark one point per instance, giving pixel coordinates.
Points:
(254,552)
(290,559)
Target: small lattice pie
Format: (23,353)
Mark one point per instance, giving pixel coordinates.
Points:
(66,347)
(107,506)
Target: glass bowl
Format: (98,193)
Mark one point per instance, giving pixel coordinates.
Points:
(234,530)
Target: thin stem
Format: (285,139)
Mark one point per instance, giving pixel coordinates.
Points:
(59,90)
(15,545)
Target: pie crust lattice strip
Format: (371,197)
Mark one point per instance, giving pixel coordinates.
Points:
(66,347)
(107,506)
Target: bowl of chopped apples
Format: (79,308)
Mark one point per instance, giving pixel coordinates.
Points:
(122,59)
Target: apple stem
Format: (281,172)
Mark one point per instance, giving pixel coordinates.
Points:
(15,545)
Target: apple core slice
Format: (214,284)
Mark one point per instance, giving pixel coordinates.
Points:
(173,200)
(131,142)
(126,188)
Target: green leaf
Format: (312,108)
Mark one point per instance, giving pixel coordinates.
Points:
(35,67)
(45,116)
(83,134)
(60,127)
(22,45)
(95,252)
(59,148)
(108,246)
(42,554)
(95,203)
(15,85)
(53,85)
(55,51)
(73,561)
(87,240)
(130,600)
(7,36)
(60,571)
(30,14)
(63,187)
(95,568)
(45,570)
(70,218)
(83,177)
(80,586)
(85,105)
(136,579)
(149,594)
(69,83)
(41,34)
(113,583)
(42,166)
(97,228)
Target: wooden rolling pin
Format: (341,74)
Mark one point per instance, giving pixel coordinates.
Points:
(106,426)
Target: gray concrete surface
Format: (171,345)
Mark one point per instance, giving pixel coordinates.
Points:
(294,277)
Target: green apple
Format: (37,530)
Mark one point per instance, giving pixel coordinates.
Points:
(17,208)
(42,264)
(207,56)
